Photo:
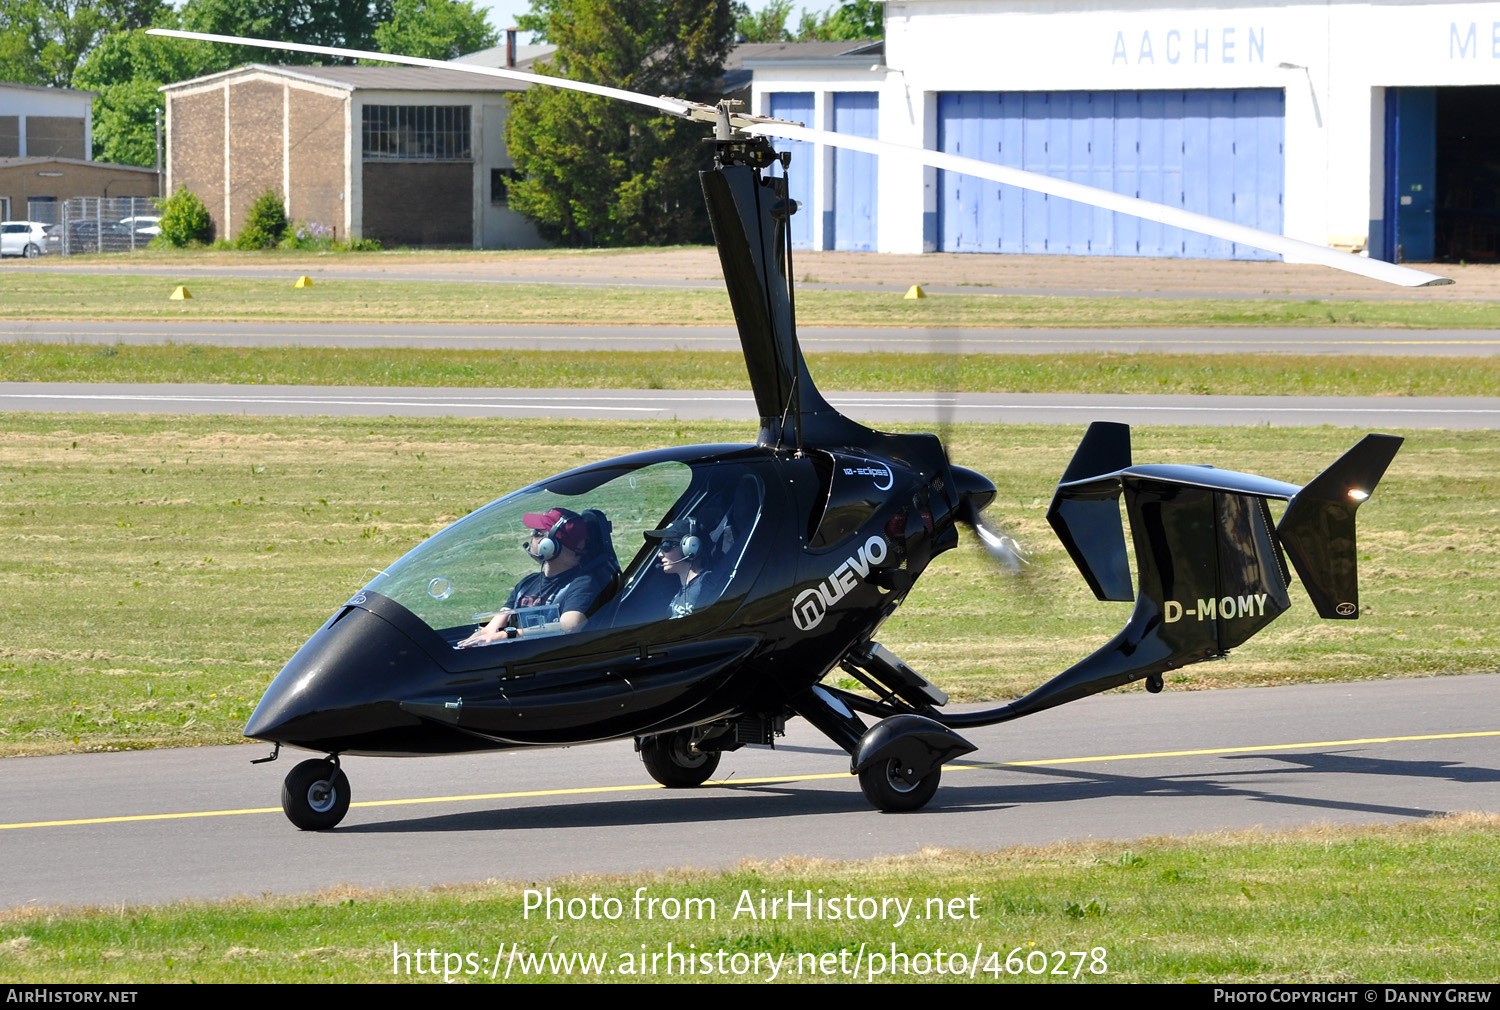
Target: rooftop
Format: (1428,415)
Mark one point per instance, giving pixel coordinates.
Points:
(356,78)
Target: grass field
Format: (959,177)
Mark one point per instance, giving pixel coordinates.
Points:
(158,570)
(38,295)
(1220,374)
(1407,903)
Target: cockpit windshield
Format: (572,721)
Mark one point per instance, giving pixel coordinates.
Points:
(463,575)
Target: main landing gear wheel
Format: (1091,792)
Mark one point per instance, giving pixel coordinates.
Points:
(315,795)
(672,760)
(886,786)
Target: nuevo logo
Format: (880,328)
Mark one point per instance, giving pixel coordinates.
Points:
(811,604)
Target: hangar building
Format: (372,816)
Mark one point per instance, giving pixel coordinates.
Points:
(1366,126)
(406,155)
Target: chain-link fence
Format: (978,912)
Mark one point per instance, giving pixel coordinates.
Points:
(42,211)
(88,224)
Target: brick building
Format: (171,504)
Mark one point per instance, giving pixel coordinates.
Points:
(406,155)
(31,189)
(46,140)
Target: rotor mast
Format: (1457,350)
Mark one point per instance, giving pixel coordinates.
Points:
(750,213)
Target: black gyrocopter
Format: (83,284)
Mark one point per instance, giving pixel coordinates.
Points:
(800,545)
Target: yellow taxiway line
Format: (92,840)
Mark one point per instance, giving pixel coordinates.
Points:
(768,780)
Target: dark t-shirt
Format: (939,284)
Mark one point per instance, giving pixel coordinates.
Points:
(691,596)
(574,589)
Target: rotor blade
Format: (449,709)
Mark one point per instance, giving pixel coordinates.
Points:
(1160,213)
(673,106)
(765,126)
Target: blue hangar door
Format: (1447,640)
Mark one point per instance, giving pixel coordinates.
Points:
(797,106)
(1213,152)
(854,175)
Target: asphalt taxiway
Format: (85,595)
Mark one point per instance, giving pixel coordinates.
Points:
(153,826)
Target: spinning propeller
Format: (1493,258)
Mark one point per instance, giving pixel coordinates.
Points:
(1002,548)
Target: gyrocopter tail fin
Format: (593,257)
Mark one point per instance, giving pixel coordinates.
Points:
(1088,519)
(1318,528)
(1210,570)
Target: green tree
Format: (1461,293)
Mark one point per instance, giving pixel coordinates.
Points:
(435,29)
(184,220)
(126,69)
(43,41)
(859,19)
(767,26)
(265,224)
(595,171)
(347,23)
(539,21)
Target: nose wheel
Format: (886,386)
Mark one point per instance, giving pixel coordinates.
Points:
(315,795)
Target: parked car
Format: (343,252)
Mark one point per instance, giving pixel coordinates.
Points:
(144,224)
(87,235)
(23,238)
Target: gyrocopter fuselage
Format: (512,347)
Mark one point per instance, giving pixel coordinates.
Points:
(694,599)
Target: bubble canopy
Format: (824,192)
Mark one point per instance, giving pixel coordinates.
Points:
(461,575)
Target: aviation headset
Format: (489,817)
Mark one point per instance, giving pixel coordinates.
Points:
(549,545)
(690,544)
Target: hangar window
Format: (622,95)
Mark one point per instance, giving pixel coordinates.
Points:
(417,132)
(500,180)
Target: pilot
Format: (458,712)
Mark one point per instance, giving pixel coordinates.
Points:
(684,553)
(569,580)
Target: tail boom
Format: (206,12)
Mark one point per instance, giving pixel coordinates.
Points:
(1210,566)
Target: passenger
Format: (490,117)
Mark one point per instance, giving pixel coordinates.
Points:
(570,580)
(685,554)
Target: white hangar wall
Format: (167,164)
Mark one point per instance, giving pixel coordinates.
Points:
(1318,81)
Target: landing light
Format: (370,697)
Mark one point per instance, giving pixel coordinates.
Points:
(1357,494)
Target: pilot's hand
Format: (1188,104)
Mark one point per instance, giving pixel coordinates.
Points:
(494,631)
(488,636)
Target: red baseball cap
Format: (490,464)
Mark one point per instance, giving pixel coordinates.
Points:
(573,534)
